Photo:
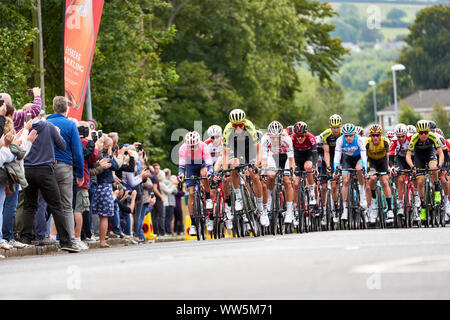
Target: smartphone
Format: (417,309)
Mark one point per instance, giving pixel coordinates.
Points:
(94,136)
(28,116)
(99,133)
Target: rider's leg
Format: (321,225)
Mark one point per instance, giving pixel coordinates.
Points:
(435,178)
(310,180)
(289,191)
(345,182)
(361,184)
(257,189)
(388,194)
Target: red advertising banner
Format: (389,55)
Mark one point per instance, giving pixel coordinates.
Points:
(81,24)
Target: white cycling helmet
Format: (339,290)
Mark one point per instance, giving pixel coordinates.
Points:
(192,138)
(401,129)
(359,130)
(411,129)
(275,128)
(390,134)
(214,131)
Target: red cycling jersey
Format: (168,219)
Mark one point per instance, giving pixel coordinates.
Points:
(399,149)
(307,145)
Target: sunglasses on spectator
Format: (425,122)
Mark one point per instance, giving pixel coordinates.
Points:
(376,135)
(423,132)
(238,125)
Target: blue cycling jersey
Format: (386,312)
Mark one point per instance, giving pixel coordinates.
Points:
(355,148)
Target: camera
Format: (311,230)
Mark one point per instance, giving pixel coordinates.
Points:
(139,147)
(152,194)
(100,133)
(94,136)
(83,131)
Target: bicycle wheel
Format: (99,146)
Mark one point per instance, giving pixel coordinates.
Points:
(348,223)
(407,207)
(248,213)
(381,220)
(198,215)
(328,218)
(218,214)
(427,205)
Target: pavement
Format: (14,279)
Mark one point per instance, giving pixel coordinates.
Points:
(406,264)
(34,250)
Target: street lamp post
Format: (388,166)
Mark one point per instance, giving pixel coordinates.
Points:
(373,85)
(396,67)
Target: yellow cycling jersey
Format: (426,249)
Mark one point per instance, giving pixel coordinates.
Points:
(417,144)
(377,152)
(249,130)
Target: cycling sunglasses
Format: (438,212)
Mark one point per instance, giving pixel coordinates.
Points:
(348,135)
(301,135)
(376,135)
(214,137)
(238,125)
(423,132)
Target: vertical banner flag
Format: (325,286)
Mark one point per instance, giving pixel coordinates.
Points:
(81,24)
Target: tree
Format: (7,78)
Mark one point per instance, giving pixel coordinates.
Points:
(396,14)
(16,43)
(440,116)
(407,115)
(427,55)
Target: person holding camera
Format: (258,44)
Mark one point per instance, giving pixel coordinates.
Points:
(148,200)
(20,117)
(82,203)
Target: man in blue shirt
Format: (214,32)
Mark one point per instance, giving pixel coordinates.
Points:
(71,156)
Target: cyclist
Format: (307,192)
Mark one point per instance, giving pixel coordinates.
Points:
(277,154)
(195,160)
(424,144)
(305,156)
(397,158)
(350,147)
(241,146)
(390,134)
(329,138)
(215,145)
(360,131)
(445,149)
(411,131)
(377,147)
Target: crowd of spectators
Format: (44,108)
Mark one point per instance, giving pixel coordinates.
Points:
(63,183)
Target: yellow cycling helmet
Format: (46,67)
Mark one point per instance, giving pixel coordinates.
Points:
(335,120)
(423,125)
(237,116)
(375,128)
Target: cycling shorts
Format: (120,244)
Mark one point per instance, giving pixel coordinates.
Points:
(278,161)
(349,162)
(301,157)
(379,165)
(193,170)
(421,160)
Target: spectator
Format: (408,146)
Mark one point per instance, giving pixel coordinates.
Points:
(64,158)
(168,191)
(178,224)
(39,172)
(90,156)
(158,209)
(11,201)
(103,201)
(20,116)
(148,200)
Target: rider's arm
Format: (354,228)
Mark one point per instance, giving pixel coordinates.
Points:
(441,157)
(326,154)
(258,154)
(337,154)
(409,159)
(362,149)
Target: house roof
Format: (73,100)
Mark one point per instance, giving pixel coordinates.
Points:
(425,99)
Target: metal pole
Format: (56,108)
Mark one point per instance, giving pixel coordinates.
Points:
(375,103)
(41,54)
(395,97)
(62,46)
(88,101)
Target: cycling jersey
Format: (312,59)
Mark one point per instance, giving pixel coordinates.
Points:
(329,139)
(399,149)
(377,152)
(241,146)
(356,149)
(214,151)
(417,144)
(277,154)
(308,144)
(199,155)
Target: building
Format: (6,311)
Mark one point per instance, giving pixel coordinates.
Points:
(421,101)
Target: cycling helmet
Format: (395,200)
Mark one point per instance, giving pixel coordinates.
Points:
(259,134)
(214,131)
(275,128)
(439,131)
(390,134)
(237,116)
(192,138)
(401,129)
(411,129)
(300,128)
(432,125)
(335,120)
(348,128)
(423,125)
(359,131)
(290,130)
(375,128)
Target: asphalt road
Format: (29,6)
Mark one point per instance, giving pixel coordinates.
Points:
(367,264)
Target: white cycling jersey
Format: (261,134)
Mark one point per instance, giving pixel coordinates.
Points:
(214,151)
(271,148)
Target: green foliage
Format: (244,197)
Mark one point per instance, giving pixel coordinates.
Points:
(427,55)
(440,116)
(396,14)
(16,56)
(407,114)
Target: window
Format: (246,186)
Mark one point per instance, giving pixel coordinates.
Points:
(390,121)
